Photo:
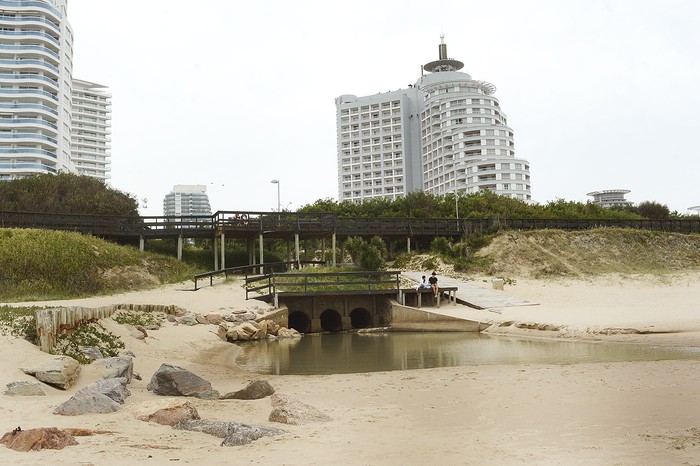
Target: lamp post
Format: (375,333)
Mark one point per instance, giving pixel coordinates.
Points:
(457,202)
(277,182)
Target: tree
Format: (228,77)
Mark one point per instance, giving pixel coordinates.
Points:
(65,193)
(653,210)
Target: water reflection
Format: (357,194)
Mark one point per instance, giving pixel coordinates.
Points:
(350,352)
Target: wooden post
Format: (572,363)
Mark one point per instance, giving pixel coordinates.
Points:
(142,243)
(296,247)
(179,247)
(333,246)
(215,247)
(408,245)
(262,259)
(223,251)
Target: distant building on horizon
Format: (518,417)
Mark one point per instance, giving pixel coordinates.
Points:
(445,134)
(610,197)
(187,199)
(38,96)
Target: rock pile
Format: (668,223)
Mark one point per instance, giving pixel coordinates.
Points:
(252,330)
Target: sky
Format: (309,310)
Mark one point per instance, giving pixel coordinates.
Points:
(601,94)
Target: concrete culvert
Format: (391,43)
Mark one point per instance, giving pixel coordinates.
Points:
(331,321)
(360,318)
(299,322)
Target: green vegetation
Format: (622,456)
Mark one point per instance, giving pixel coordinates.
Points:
(485,204)
(71,344)
(369,256)
(44,264)
(65,193)
(144,319)
(19,322)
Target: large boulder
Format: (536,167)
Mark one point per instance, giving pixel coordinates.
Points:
(59,371)
(37,439)
(173,414)
(120,366)
(287,410)
(171,380)
(24,388)
(104,396)
(233,433)
(253,391)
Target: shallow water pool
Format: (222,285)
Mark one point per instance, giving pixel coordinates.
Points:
(344,353)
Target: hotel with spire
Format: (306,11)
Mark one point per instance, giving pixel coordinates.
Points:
(445,134)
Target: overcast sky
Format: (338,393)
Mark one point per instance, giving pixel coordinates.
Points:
(600,94)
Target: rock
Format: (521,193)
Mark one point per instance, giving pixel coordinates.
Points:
(104,396)
(86,401)
(128,353)
(120,366)
(222,331)
(171,415)
(253,391)
(233,433)
(171,380)
(271,326)
(284,332)
(24,388)
(113,388)
(188,320)
(134,332)
(91,352)
(201,319)
(60,371)
(170,318)
(287,410)
(142,329)
(37,439)
(214,318)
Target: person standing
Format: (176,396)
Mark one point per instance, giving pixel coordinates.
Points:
(434,285)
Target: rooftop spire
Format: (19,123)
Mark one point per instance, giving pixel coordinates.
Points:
(443,63)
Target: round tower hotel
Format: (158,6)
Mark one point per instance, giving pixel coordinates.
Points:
(445,134)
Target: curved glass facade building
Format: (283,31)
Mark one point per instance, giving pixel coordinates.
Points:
(445,134)
(48,121)
(36,54)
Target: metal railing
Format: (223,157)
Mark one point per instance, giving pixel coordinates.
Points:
(300,284)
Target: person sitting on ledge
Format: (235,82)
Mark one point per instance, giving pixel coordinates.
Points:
(434,284)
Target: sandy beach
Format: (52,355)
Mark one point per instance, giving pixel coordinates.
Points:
(627,413)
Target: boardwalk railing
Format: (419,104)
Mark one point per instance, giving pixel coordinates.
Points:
(268,267)
(270,286)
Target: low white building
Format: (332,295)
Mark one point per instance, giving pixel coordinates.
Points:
(610,197)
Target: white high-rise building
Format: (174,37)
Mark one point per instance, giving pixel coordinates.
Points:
(445,134)
(187,199)
(36,94)
(90,138)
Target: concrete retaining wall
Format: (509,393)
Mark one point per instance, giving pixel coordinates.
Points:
(406,318)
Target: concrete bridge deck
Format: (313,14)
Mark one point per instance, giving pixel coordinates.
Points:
(473,295)
(481,303)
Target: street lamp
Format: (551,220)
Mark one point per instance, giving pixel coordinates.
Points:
(457,202)
(277,182)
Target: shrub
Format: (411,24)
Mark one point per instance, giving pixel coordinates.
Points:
(71,344)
